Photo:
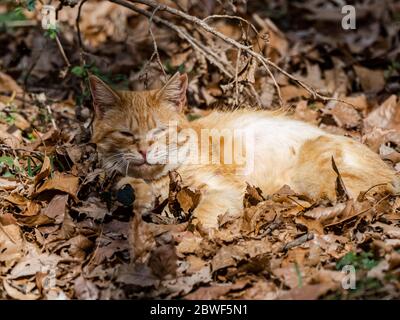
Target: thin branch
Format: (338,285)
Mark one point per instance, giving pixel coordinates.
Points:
(236,77)
(299,241)
(157,55)
(224,16)
(78,28)
(278,90)
(61,49)
(208,53)
(258,56)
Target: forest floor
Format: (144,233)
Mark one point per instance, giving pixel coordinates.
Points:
(63,230)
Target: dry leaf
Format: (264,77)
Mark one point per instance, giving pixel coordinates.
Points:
(60,182)
(371,80)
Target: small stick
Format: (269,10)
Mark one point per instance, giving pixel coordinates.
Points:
(78,28)
(299,241)
(155,43)
(60,47)
(206,27)
(236,77)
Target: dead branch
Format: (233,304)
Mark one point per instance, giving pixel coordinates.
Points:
(210,55)
(299,241)
(61,49)
(155,53)
(206,52)
(202,23)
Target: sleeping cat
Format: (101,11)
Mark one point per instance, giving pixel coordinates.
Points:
(143,135)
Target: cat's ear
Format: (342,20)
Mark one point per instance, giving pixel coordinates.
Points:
(103,96)
(174,91)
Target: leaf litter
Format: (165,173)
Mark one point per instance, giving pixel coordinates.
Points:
(65,233)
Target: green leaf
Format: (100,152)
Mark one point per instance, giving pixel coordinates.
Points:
(15,15)
(78,71)
(8,174)
(7,161)
(364,260)
(30,173)
(31,4)
(348,259)
(51,33)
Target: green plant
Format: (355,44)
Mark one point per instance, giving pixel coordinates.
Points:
(14,15)
(83,72)
(364,260)
(51,33)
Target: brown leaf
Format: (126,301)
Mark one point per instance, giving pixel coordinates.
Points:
(308,292)
(32,208)
(345,116)
(85,289)
(14,293)
(371,80)
(7,184)
(386,116)
(16,199)
(188,199)
(56,208)
(252,196)
(60,182)
(44,171)
(216,291)
(93,208)
(163,261)
(305,113)
(12,245)
(35,221)
(311,224)
(9,84)
(189,243)
(290,92)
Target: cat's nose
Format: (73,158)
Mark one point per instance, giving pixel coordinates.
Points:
(143,153)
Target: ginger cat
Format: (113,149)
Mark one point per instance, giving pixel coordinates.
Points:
(143,135)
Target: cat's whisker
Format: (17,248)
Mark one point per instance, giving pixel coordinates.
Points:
(127,168)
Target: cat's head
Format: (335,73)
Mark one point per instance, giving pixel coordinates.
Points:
(133,130)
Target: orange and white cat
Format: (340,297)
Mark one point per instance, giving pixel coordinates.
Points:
(143,135)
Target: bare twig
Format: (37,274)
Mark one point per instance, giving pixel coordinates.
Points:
(78,28)
(205,51)
(299,241)
(236,77)
(60,47)
(155,53)
(208,28)
(278,90)
(224,16)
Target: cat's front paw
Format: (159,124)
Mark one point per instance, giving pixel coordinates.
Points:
(144,197)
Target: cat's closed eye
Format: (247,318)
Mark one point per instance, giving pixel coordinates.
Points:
(126,133)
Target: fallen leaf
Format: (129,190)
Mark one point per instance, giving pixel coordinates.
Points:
(56,208)
(371,80)
(7,184)
(60,182)
(163,261)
